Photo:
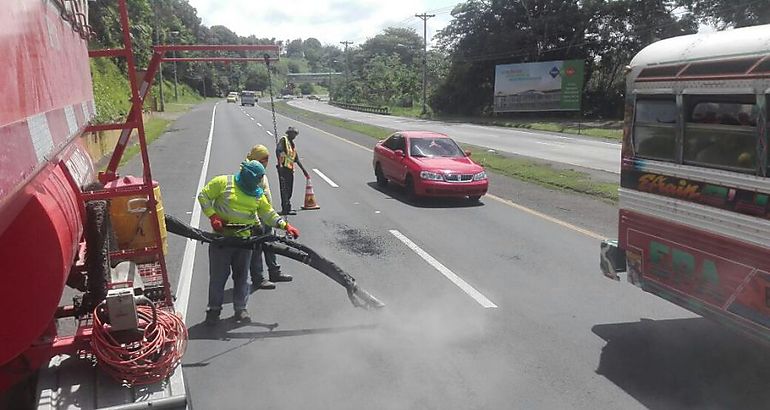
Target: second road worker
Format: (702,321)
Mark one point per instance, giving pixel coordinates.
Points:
(261,154)
(235,205)
(286,152)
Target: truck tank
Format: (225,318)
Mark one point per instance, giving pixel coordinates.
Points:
(47,102)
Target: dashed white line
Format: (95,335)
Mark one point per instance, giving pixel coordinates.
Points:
(269,133)
(259,124)
(325,178)
(470,290)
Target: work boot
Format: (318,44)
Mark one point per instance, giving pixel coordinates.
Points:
(212,317)
(242,316)
(280,277)
(262,284)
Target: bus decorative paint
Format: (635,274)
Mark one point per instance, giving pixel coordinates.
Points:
(742,201)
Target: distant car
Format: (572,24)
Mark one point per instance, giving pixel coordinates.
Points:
(428,164)
(232,97)
(248,98)
(313,97)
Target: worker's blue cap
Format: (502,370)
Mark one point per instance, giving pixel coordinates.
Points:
(254,168)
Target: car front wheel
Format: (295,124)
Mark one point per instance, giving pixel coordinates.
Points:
(409,187)
(381,180)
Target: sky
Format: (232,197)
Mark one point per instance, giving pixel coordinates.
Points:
(330,21)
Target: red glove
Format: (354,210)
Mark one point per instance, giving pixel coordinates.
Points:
(217,223)
(292,231)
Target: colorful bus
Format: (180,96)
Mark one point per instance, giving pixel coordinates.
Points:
(694,222)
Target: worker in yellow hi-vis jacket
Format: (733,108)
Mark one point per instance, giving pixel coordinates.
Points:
(235,205)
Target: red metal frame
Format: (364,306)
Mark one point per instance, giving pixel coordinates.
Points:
(153,273)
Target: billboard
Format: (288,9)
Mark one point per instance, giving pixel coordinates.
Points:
(542,86)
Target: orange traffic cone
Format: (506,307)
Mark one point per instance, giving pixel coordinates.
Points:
(310,197)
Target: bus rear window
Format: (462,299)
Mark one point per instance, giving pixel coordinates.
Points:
(655,125)
(721,134)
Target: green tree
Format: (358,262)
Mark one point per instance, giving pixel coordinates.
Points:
(306,88)
(729,13)
(313,53)
(403,42)
(294,49)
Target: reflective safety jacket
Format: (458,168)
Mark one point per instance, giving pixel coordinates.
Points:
(287,156)
(223,197)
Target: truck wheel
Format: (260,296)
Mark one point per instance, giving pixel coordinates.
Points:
(98,234)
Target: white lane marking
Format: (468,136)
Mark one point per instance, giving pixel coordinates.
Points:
(251,118)
(507,202)
(269,133)
(553,144)
(325,178)
(475,294)
(259,124)
(188,260)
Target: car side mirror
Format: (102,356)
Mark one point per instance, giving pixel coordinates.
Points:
(399,153)
(467,153)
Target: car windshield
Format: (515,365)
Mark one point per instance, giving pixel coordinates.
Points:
(434,147)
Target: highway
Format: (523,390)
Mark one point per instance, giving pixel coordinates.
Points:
(574,150)
(494,306)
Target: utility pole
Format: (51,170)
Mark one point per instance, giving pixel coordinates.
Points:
(162,106)
(347,67)
(176,94)
(424,17)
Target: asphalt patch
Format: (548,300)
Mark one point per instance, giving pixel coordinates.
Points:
(358,242)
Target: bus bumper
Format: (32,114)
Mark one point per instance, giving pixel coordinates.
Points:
(612,259)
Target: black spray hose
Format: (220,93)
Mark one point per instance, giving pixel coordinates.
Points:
(284,247)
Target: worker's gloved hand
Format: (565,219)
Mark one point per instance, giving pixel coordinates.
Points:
(217,224)
(292,231)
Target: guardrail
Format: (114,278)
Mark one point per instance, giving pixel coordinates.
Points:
(361,107)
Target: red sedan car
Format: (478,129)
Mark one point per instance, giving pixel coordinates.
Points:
(428,164)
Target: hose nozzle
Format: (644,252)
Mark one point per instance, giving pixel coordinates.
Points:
(363,299)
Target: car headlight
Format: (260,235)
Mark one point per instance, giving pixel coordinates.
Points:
(433,176)
(480,176)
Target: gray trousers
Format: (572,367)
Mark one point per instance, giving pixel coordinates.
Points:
(256,268)
(223,260)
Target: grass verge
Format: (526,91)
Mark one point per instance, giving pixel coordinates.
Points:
(543,174)
(153,129)
(519,168)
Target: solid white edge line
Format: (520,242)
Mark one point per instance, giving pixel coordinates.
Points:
(325,178)
(188,260)
(470,290)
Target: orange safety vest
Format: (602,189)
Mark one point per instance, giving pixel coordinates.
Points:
(289,155)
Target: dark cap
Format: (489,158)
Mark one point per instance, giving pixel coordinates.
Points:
(291,130)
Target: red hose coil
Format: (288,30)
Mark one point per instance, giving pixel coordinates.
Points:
(148,360)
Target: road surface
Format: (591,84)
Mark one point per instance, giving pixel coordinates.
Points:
(579,151)
(493,306)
